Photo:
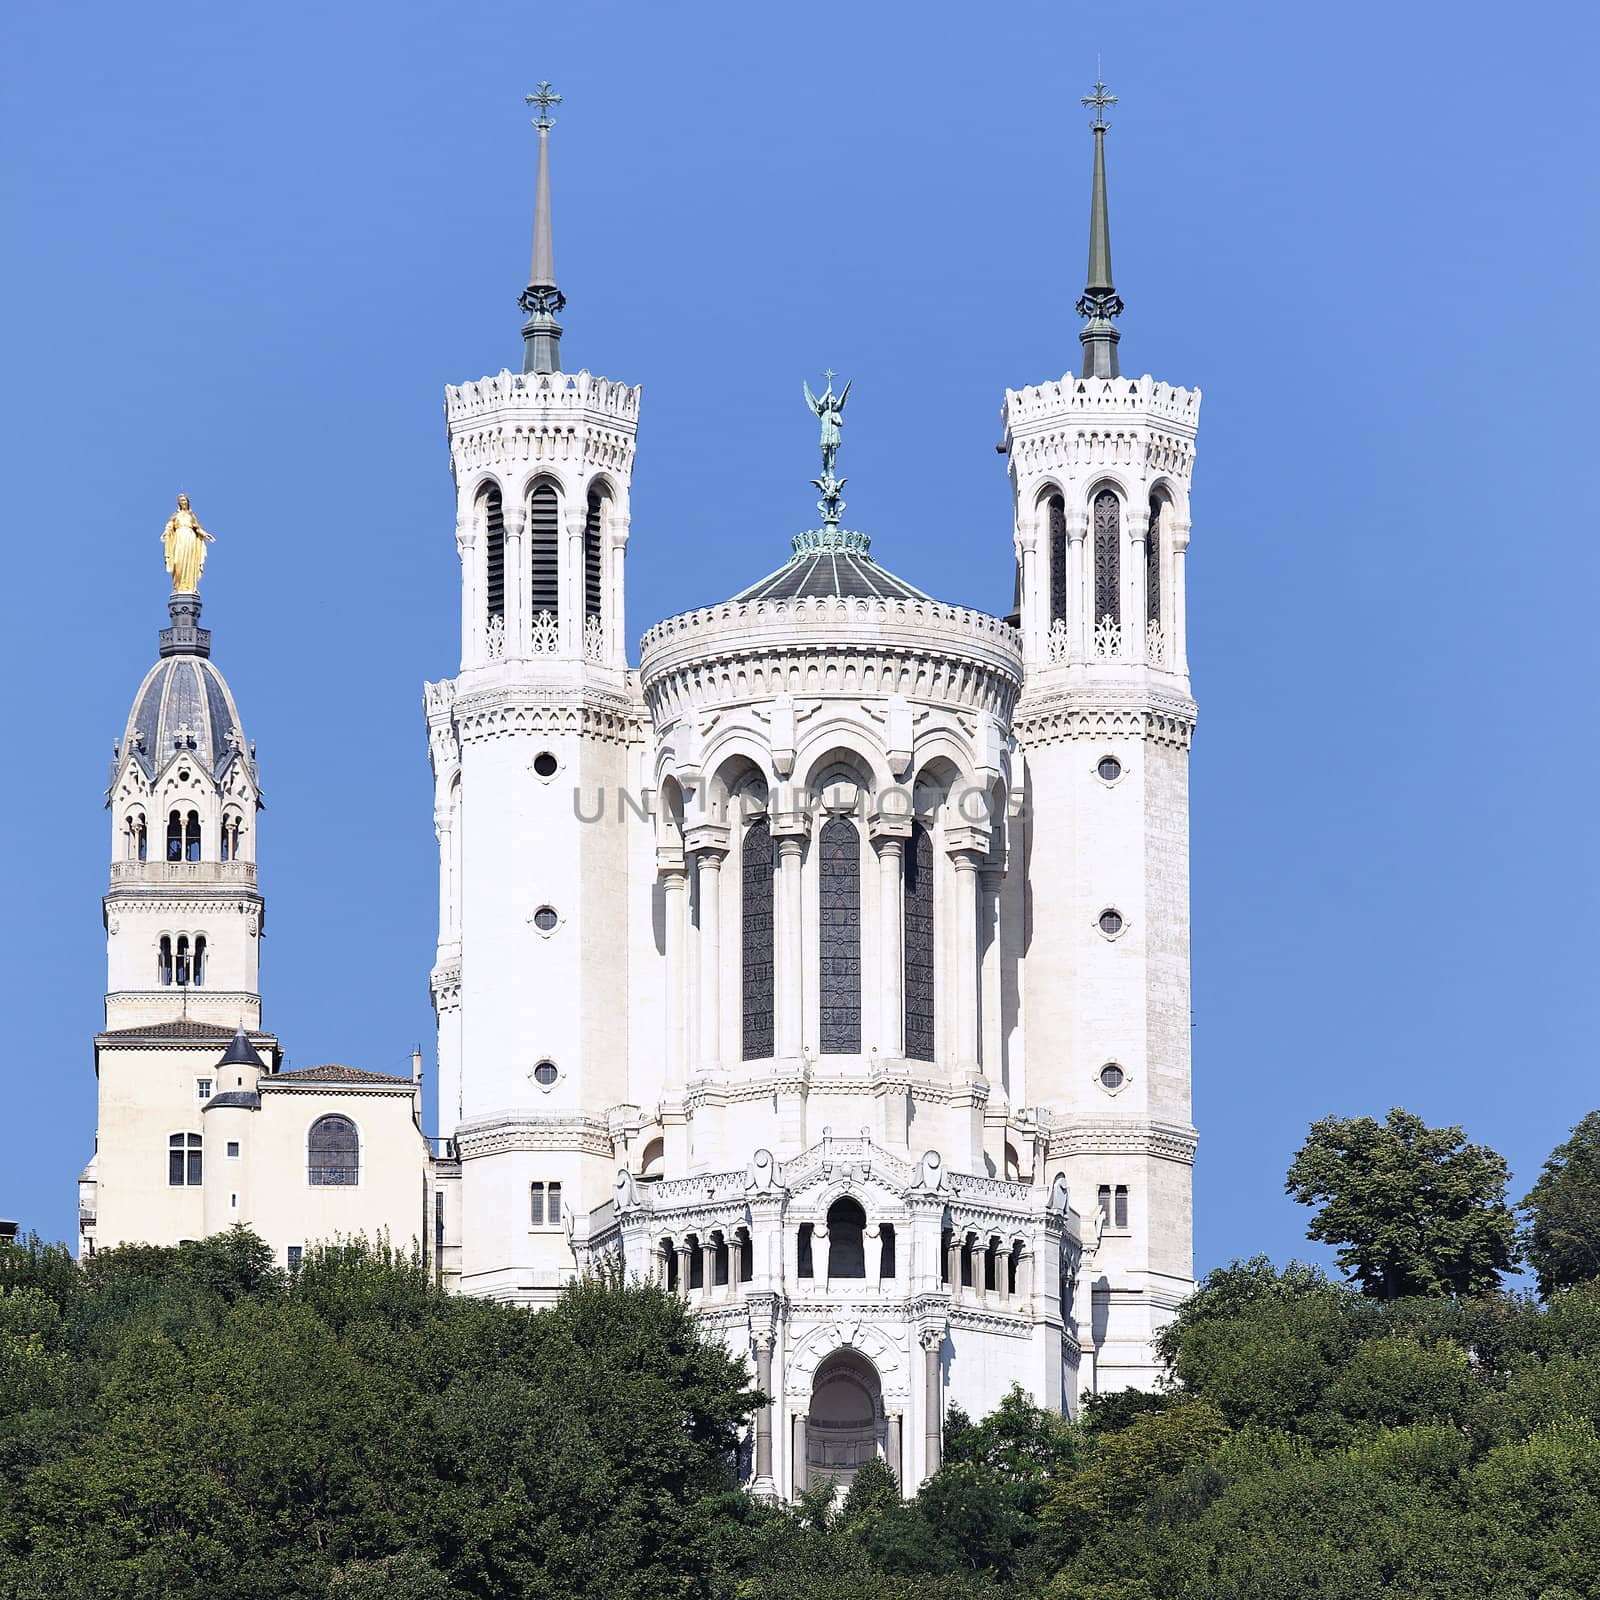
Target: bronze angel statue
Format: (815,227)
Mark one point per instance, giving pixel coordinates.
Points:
(830,411)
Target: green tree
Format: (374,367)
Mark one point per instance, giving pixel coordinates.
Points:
(1562,1237)
(1412,1210)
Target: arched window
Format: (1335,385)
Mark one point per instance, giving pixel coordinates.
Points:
(175,836)
(199,958)
(1058,558)
(333,1153)
(494,552)
(802,1251)
(840,929)
(191,837)
(847,1224)
(164,961)
(182,963)
(183,1160)
(919,944)
(593,521)
(886,1261)
(1152,562)
(544,550)
(141,838)
(758,928)
(1107,557)
(653,1164)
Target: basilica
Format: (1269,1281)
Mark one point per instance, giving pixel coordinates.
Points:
(830,967)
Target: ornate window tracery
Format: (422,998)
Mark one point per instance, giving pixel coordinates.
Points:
(333,1153)
(840,929)
(757,938)
(1107,557)
(919,944)
(1058,559)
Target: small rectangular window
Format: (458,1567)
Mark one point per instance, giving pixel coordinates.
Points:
(1122,1205)
(1103,1199)
(555,1204)
(536,1208)
(202,1089)
(175,1166)
(233,1149)
(295,1254)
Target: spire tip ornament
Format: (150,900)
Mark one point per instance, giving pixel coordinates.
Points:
(542,300)
(1100,304)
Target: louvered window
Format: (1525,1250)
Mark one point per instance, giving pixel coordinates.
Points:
(840,918)
(591,555)
(1058,559)
(494,553)
(919,944)
(1107,557)
(757,936)
(1152,563)
(544,550)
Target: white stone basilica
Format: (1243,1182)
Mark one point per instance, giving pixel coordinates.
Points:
(831,967)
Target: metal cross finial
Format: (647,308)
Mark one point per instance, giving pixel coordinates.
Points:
(544,99)
(829,375)
(1099,100)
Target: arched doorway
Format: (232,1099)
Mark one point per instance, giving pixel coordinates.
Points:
(845,1424)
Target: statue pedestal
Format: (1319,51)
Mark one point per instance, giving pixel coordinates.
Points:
(185,637)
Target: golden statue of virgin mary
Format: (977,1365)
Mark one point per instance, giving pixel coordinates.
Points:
(185,541)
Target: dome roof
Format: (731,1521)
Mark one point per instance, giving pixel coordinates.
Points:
(831,563)
(185,704)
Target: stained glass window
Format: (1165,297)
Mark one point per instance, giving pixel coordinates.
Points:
(757,938)
(919,944)
(333,1153)
(1107,557)
(840,920)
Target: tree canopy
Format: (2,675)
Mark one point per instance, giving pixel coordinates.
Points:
(1562,1238)
(1411,1210)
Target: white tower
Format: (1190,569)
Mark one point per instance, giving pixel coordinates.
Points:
(1100,469)
(530,983)
(183,919)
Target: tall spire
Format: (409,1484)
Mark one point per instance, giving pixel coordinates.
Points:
(541,300)
(1100,302)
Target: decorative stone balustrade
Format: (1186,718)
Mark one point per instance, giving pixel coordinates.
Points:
(187,874)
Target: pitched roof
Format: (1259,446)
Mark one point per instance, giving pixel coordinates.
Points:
(183,1031)
(333,1073)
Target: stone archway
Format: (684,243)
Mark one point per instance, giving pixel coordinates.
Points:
(844,1427)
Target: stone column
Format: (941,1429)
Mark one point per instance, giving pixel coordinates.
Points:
(891,1446)
(515,519)
(1133,590)
(764,1413)
(790,987)
(1025,1279)
(891,944)
(472,618)
(952,1263)
(1078,603)
(872,1255)
(682,1248)
(708,1266)
(1035,618)
(966,953)
(991,1052)
(933,1399)
(611,602)
(709,842)
(1178,634)
(569,584)
(674,883)
(798,1473)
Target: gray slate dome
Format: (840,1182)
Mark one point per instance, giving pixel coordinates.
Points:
(831,563)
(184,703)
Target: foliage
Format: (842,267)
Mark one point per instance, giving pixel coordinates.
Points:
(1413,1210)
(1562,1237)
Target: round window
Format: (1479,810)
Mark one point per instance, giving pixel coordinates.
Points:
(545,764)
(1110,768)
(544,919)
(1110,922)
(545,1074)
(1111,1076)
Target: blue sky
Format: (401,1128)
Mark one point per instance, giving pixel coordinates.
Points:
(247,247)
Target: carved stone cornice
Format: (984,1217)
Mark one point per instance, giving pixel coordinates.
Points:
(1051,712)
(445,983)
(1086,1136)
(521,709)
(493,1136)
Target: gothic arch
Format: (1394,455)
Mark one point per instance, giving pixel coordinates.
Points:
(843,744)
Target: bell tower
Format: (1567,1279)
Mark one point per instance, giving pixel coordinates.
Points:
(1100,468)
(535,731)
